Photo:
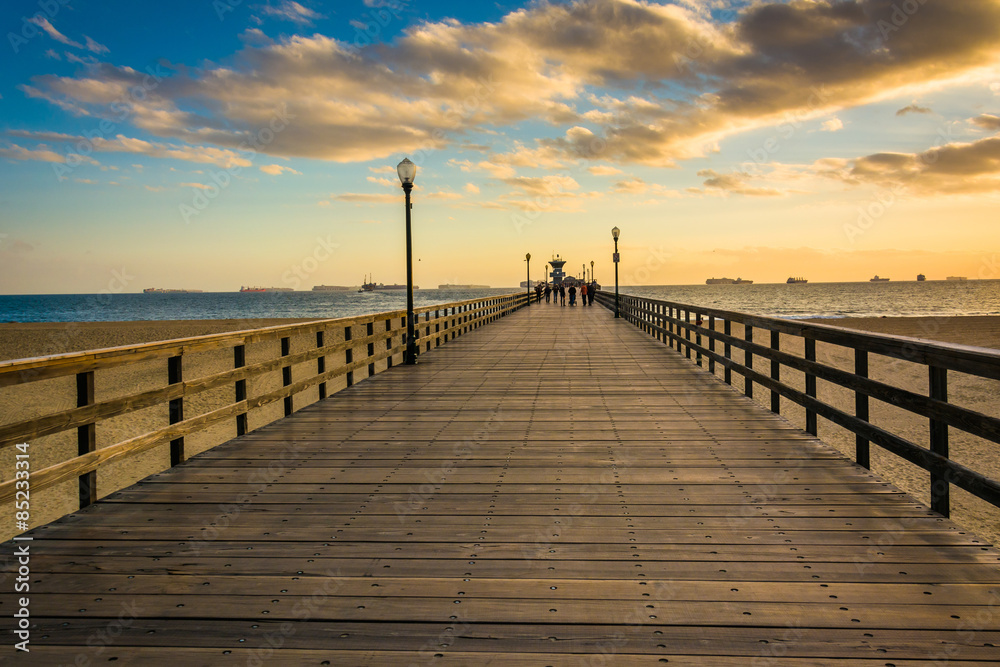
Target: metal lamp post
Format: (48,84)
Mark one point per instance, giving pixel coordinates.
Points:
(591,270)
(407,172)
(614,233)
(527,259)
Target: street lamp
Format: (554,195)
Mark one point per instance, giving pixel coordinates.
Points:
(407,172)
(614,233)
(591,270)
(527,258)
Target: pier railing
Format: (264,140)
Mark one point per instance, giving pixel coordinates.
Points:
(330,353)
(695,332)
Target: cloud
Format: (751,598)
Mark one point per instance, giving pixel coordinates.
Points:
(40,154)
(122,144)
(734,183)
(635,82)
(832,125)
(637,186)
(51,31)
(913,108)
(956,168)
(472,188)
(987,121)
(94,47)
(604,170)
(365,197)
(85,181)
(277,170)
(15,246)
(196,186)
(388,182)
(291,11)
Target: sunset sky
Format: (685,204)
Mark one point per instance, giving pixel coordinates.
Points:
(214,143)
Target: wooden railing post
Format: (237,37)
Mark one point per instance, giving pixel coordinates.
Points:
(286,372)
(388,342)
(727,352)
(775,373)
(861,447)
(349,353)
(697,339)
(670,327)
(687,333)
(711,344)
(370,331)
(748,360)
(175,375)
(86,438)
(940,491)
(239,361)
(810,355)
(321,365)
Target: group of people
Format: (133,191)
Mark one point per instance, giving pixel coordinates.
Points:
(557,293)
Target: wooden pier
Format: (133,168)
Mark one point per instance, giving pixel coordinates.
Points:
(556,488)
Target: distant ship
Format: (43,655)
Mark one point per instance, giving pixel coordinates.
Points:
(728,281)
(159,290)
(876,279)
(450,286)
(956,278)
(330,288)
(921,277)
(252,289)
(266,289)
(796,281)
(370,286)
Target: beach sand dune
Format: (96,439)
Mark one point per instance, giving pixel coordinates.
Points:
(25,402)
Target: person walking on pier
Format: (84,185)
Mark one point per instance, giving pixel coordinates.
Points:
(583,294)
(590,293)
(562,294)
(538,293)
(548,292)
(572,295)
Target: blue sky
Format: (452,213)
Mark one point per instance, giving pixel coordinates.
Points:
(217,143)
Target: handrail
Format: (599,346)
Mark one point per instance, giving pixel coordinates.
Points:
(683,327)
(384,340)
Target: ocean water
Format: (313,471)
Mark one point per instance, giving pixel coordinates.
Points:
(824,300)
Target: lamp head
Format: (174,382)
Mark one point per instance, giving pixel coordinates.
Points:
(407,172)
(527,256)
(615,232)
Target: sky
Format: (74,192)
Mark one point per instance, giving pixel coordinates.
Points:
(211,144)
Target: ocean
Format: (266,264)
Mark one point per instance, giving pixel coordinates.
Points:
(811,300)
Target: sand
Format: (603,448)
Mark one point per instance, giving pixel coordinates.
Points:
(27,340)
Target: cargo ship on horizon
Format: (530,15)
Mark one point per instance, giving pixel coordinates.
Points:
(370,286)
(728,281)
(796,281)
(160,290)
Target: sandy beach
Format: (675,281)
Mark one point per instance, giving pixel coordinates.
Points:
(28,340)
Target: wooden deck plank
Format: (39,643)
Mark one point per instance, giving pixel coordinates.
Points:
(520,497)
